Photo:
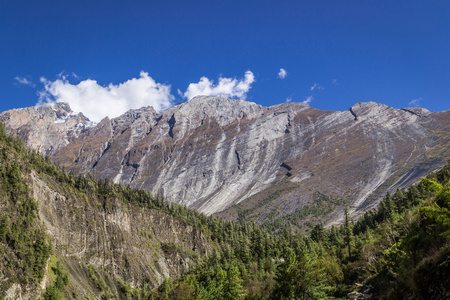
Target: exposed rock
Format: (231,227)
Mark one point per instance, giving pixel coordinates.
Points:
(211,153)
(46,128)
(17,292)
(118,240)
(14,292)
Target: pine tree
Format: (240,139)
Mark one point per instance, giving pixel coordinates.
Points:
(348,231)
(317,233)
(233,288)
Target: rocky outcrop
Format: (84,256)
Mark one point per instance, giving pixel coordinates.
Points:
(211,153)
(46,128)
(118,241)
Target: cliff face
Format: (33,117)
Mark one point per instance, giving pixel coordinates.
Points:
(114,241)
(109,239)
(109,234)
(46,128)
(211,153)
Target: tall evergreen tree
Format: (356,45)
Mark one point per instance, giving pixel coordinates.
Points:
(348,231)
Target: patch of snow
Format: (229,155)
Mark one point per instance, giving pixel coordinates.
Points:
(89,124)
(63,119)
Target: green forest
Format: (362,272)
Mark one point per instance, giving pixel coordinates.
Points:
(400,250)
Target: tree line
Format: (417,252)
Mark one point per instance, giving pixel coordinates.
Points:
(381,250)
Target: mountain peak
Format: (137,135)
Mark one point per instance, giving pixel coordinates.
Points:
(219,103)
(47,127)
(224,110)
(134,114)
(212,152)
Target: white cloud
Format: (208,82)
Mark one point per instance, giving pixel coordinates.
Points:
(308,99)
(24,81)
(96,101)
(316,86)
(289,99)
(282,74)
(415,102)
(335,81)
(226,87)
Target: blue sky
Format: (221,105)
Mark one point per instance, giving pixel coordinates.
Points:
(392,52)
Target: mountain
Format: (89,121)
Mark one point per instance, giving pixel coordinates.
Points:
(46,128)
(245,161)
(74,237)
(101,242)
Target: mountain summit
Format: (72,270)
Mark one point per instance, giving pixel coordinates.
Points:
(243,160)
(46,128)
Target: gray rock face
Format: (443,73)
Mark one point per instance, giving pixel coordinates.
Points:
(205,153)
(211,153)
(109,235)
(46,128)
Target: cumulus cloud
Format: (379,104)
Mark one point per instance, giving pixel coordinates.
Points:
(97,101)
(282,74)
(308,100)
(288,99)
(24,81)
(415,102)
(226,87)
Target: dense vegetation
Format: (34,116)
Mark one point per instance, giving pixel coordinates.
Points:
(24,247)
(401,249)
(387,252)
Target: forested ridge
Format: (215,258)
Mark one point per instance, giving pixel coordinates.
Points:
(397,251)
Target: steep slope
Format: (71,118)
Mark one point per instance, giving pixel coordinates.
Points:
(46,128)
(120,241)
(212,153)
(71,237)
(105,244)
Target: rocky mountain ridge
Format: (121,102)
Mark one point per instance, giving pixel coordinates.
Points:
(46,128)
(238,158)
(107,241)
